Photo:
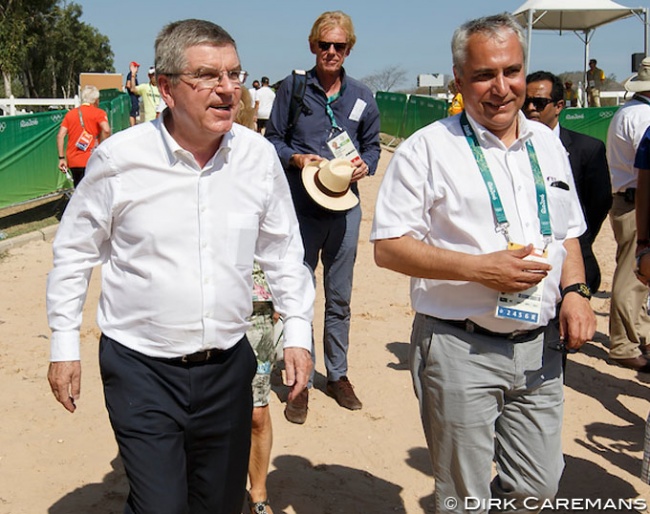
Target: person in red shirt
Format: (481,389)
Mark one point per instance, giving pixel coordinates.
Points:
(86,126)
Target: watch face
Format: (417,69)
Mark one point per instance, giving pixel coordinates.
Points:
(585,290)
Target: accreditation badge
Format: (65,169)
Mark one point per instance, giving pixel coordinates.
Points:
(343,148)
(85,141)
(525,305)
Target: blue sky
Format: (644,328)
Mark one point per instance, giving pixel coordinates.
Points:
(414,34)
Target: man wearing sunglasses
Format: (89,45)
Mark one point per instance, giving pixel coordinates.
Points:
(174,210)
(333,110)
(544,103)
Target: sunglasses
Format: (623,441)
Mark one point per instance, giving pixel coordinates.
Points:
(325,46)
(539,103)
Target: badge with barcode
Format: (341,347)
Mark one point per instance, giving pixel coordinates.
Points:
(524,305)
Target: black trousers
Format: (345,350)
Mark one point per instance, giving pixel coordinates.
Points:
(77,175)
(183,430)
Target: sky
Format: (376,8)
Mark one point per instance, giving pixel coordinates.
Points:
(415,35)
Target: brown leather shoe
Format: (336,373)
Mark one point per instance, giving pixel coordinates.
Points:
(638,363)
(343,392)
(296,409)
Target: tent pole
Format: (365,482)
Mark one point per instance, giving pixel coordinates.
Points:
(586,66)
(530,38)
(645,31)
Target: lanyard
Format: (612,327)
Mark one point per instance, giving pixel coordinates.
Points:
(328,108)
(81,119)
(153,94)
(495,199)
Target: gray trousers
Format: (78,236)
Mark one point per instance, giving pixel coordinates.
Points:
(483,399)
(629,323)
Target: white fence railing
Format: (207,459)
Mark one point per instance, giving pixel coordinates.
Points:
(8,105)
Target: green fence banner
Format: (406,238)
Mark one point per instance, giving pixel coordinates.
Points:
(28,156)
(593,121)
(392,109)
(421,111)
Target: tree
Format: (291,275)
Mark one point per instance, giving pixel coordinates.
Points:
(16,19)
(386,79)
(45,46)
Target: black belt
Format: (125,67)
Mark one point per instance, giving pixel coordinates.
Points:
(196,358)
(518,336)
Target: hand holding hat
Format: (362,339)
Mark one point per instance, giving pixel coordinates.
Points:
(328,184)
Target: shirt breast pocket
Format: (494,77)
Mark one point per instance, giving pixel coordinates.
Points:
(242,237)
(559,200)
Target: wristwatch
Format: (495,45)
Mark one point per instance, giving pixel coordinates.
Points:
(581,288)
(61,157)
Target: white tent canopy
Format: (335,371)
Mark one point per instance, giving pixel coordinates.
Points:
(580,16)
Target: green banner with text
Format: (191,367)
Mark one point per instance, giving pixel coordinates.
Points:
(28,156)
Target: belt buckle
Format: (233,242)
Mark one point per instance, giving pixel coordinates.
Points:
(516,333)
(197,356)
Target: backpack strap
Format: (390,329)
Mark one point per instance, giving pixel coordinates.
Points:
(296,106)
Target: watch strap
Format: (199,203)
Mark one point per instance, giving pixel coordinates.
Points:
(580,287)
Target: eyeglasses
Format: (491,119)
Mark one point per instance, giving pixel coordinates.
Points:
(325,46)
(538,102)
(209,79)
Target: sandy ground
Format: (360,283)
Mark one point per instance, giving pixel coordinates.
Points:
(373,460)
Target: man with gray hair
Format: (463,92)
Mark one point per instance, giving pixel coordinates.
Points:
(85,127)
(481,210)
(174,211)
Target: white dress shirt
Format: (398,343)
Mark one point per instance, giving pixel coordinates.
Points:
(176,243)
(433,191)
(623,137)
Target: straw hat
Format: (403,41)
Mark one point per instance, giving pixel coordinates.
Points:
(328,183)
(641,81)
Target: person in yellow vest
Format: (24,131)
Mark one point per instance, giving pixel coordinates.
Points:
(148,92)
(456,106)
(595,81)
(570,95)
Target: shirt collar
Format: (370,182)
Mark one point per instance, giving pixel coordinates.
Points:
(556,130)
(312,78)
(488,138)
(176,152)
